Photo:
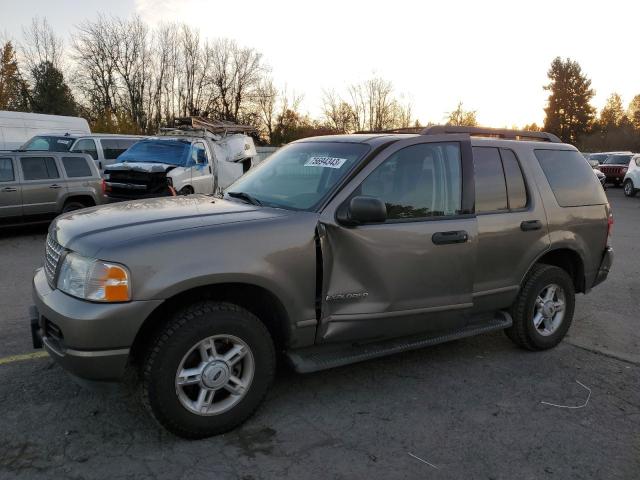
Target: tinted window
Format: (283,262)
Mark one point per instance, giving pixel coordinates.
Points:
(113,148)
(618,160)
(6,170)
(516,189)
(86,145)
(491,190)
(76,167)
(48,143)
(39,168)
(571,178)
(418,181)
(299,176)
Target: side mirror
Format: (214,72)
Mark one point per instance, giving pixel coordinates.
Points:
(361,210)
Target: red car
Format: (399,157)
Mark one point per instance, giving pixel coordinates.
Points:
(615,167)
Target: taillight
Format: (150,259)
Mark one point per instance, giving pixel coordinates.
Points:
(609,224)
(104,186)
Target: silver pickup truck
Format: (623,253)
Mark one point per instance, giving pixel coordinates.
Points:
(335,250)
(38,186)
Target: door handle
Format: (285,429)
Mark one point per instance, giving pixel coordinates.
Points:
(529,225)
(55,185)
(209,168)
(455,236)
(9,189)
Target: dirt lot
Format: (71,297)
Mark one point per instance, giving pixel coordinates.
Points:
(467,409)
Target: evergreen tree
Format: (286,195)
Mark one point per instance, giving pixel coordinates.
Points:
(612,114)
(13,89)
(50,93)
(633,113)
(569,112)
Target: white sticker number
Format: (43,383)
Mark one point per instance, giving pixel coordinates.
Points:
(325,162)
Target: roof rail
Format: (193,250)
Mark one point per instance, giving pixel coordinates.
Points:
(493,133)
(393,130)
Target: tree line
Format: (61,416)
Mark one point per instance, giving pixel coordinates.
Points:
(126,77)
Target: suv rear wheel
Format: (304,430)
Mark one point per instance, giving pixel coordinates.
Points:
(72,205)
(629,188)
(543,310)
(208,369)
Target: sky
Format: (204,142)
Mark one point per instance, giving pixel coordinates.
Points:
(492,55)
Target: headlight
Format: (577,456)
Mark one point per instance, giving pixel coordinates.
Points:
(94,280)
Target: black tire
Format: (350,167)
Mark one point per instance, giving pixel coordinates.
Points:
(188,327)
(629,188)
(523,332)
(73,205)
(186,191)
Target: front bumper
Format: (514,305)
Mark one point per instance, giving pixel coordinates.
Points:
(90,340)
(605,266)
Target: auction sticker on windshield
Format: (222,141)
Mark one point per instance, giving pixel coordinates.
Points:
(325,162)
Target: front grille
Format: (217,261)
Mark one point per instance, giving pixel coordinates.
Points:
(52,254)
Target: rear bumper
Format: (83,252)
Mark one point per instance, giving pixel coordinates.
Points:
(605,266)
(90,340)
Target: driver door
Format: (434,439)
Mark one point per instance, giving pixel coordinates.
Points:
(201,170)
(414,272)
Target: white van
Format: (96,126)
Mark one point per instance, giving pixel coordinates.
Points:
(104,148)
(18,127)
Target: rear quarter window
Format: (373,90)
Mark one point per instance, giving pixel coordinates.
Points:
(571,178)
(76,167)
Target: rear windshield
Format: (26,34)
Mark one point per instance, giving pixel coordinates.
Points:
(571,178)
(173,152)
(47,143)
(618,160)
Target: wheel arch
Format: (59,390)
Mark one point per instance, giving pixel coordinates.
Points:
(568,259)
(263,303)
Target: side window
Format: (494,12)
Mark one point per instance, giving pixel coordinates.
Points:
(419,181)
(76,167)
(86,145)
(571,178)
(199,154)
(516,189)
(491,189)
(39,168)
(112,147)
(6,170)
(638,161)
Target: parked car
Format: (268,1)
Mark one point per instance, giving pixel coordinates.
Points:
(631,183)
(36,187)
(335,250)
(104,148)
(615,167)
(203,159)
(17,127)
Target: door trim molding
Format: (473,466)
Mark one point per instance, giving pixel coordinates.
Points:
(350,317)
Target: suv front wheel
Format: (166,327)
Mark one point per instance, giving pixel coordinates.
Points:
(543,310)
(629,188)
(208,369)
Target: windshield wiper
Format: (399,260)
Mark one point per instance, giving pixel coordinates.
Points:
(247,197)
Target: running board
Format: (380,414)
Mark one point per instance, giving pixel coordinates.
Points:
(322,357)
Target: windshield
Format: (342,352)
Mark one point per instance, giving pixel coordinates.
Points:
(48,143)
(173,152)
(618,159)
(598,157)
(299,176)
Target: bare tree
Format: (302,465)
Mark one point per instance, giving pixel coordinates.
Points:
(462,117)
(41,44)
(337,113)
(266,102)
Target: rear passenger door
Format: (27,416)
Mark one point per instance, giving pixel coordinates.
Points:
(10,192)
(43,189)
(512,226)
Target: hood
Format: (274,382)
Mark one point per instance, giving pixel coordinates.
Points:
(147,167)
(87,231)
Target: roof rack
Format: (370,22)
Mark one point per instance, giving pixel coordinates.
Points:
(219,127)
(493,133)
